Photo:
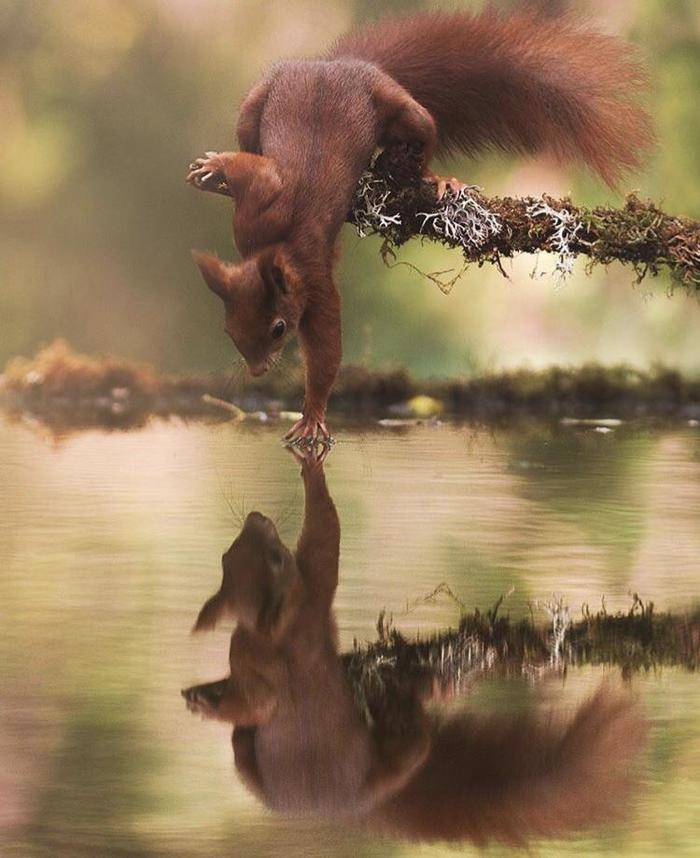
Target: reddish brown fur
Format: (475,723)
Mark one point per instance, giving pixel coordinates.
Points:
(300,742)
(443,81)
(522,83)
(515,778)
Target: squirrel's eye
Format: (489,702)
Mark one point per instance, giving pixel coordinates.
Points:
(278,329)
(278,278)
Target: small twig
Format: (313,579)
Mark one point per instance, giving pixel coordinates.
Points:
(237,412)
(442,589)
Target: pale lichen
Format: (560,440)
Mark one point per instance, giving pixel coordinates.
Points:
(564,234)
(394,202)
(460,218)
(369,206)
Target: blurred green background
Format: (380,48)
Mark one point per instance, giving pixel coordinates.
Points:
(104,102)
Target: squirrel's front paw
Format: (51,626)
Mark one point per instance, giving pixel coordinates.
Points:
(207,174)
(310,457)
(204,699)
(309,431)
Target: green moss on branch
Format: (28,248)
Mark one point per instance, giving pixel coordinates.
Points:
(392,201)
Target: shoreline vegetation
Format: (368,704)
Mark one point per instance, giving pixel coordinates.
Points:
(67,391)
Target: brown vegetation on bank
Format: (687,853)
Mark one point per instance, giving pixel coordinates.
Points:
(68,391)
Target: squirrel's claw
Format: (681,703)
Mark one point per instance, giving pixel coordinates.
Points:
(308,432)
(310,458)
(206,173)
(443,184)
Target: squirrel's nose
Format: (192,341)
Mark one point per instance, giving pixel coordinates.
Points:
(257,522)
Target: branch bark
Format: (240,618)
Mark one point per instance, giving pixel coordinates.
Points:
(391,201)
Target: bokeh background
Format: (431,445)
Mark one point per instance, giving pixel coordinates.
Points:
(104,102)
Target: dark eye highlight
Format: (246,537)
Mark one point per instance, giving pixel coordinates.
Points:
(278,329)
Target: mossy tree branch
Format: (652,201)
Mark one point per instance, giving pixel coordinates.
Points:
(392,201)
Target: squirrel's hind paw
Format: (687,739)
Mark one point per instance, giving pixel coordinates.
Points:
(443,184)
(207,174)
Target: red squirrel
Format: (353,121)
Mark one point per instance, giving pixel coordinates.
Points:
(303,744)
(441,82)
(300,742)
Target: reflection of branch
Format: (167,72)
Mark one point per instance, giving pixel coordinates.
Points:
(392,201)
(485,643)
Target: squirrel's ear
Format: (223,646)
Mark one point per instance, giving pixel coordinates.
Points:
(211,613)
(214,272)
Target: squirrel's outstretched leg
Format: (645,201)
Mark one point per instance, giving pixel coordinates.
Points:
(245,700)
(404,120)
(234,174)
(320,339)
(318,548)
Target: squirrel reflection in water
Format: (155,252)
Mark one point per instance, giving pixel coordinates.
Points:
(302,744)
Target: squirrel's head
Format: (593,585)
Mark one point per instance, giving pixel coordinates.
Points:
(258,297)
(259,576)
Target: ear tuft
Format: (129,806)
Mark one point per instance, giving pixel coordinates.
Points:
(210,614)
(214,272)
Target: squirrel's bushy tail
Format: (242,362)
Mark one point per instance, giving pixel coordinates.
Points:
(513,779)
(519,82)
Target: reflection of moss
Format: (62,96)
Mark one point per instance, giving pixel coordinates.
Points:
(482,643)
(69,391)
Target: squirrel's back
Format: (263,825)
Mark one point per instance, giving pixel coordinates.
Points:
(518,82)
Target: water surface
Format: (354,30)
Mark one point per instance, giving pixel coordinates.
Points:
(110,543)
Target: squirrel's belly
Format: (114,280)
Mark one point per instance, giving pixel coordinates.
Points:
(306,773)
